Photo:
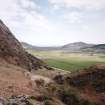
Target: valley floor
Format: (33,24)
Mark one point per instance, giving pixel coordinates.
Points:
(69,61)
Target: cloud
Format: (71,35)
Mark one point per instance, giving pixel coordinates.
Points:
(77,11)
(73,17)
(56,1)
(13,11)
(94,4)
(47,23)
(86,3)
(24,20)
(28,4)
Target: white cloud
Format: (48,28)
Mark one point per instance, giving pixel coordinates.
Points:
(24,23)
(36,21)
(56,7)
(73,17)
(92,4)
(78,8)
(28,4)
(56,1)
(96,4)
(44,28)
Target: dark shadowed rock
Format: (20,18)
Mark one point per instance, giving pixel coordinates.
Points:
(94,75)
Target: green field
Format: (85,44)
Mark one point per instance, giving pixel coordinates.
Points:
(69,65)
(69,61)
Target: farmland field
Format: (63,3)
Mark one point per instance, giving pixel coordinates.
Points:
(68,61)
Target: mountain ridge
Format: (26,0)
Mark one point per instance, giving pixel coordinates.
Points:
(71,47)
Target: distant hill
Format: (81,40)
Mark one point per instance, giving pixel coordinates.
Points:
(77,46)
(32,47)
(99,46)
(71,47)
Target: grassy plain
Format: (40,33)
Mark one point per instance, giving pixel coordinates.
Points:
(68,61)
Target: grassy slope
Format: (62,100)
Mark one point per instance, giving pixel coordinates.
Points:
(68,61)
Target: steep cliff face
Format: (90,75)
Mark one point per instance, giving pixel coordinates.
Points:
(12,52)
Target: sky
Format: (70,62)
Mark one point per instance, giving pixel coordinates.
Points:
(55,22)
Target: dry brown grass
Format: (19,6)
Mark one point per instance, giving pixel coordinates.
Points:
(13,81)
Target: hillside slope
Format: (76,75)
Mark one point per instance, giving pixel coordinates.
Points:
(12,52)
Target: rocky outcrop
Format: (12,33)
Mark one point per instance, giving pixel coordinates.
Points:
(94,76)
(12,51)
(87,84)
(29,100)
